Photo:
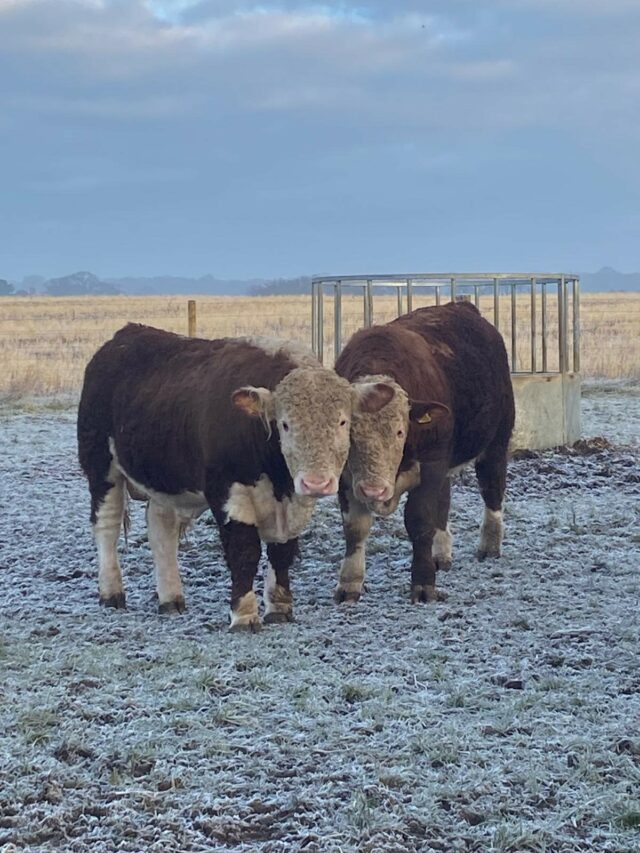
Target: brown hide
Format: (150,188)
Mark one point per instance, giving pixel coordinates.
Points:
(447,354)
(166,401)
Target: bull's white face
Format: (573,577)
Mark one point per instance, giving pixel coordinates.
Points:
(378,441)
(312,410)
(377,445)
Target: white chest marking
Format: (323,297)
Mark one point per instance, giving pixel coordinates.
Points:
(187,505)
(277,521)
(407,480)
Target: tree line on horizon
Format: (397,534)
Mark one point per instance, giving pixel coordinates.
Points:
(87,284)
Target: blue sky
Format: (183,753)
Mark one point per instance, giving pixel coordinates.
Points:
(187,137)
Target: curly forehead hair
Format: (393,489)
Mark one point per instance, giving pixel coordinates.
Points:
(305,385)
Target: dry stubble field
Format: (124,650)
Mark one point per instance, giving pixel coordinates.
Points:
(46,342)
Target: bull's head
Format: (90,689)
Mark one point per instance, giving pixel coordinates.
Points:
(312,409)
(378,440)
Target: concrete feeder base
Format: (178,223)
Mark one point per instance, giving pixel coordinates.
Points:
(547,410)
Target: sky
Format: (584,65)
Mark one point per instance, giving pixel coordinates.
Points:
(243,139)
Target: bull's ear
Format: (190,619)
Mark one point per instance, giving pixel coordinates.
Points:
(427,414)
(371,396)
(256,402)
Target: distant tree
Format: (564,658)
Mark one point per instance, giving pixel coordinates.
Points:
(277,286)
(80,284)
(6,289)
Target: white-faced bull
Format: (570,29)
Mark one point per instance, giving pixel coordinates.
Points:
(255,430)
(446,372)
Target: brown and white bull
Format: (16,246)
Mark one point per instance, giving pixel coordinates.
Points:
(255,430)
(446,371)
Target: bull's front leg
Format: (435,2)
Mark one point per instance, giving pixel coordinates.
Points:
(242,551)
(420,521)
(443,540)
(356,522)
(278,601)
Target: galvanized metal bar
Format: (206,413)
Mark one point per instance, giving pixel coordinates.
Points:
(543,323)
(437,294)
(496,304)
(399,301)
(441,276)
(409,295)
(476,296)
(314,316)
(576,325)
(562,362)
(320,310)
(369,303)
(566,325)
(533,327)
(453,289)
(337,319)
(514,356)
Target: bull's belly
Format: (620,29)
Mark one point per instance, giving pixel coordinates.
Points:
(187,505)
(276,520)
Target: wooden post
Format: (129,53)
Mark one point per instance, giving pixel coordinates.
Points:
(191,311)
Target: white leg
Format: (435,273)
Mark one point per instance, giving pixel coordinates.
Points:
(106,530)
(357,524)
(491,533)
(163,526)
(245,616)
(278,604)
(442,548)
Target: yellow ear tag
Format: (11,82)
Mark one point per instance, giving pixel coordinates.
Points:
(425,419)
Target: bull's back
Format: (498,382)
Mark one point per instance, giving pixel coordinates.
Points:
(127,383)
(471,355)
(163,402)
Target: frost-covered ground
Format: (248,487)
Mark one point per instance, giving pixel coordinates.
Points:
(506,718)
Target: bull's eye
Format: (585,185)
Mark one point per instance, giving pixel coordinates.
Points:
(343,422)
(285,426)
(400,433)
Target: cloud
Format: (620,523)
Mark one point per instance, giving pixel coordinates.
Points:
(257,106)
(451,68)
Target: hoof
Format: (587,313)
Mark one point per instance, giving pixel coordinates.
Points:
(487,553)
(443,564)
(276,617)
(117,601)
(253,627)
(178,605)
(425,594)
(346,596)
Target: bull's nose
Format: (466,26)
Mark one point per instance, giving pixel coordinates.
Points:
(374,493)
(310,485)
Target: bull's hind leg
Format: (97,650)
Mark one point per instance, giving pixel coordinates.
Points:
(356,522)
(107,516)
(491,470)
(442,548)
(163,527)
(278,601)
